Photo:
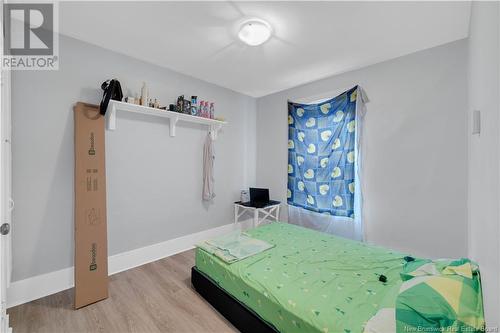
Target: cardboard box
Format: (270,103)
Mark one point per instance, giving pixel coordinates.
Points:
(91,243)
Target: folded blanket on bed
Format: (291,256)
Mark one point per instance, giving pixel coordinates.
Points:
(440,296)
(435,296)
(234,247)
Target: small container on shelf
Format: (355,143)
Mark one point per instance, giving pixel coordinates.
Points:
(194,105)
(200,109)
(212,110)
(130,100)
(180,104)
(187,106)
(206,110)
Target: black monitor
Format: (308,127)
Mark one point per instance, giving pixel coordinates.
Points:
(259,195)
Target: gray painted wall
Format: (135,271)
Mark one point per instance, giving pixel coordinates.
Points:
(154,181)
(415,148)
(484,167)
(415,154)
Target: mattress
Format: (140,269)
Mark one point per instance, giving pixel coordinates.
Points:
(310,281)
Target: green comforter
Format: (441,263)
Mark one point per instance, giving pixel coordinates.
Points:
(310,281)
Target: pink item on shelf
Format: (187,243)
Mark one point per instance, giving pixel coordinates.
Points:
(206,111)
(201,110)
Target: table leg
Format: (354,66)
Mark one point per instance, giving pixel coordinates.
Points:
(255,218)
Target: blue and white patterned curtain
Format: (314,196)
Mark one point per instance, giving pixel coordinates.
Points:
(322,155)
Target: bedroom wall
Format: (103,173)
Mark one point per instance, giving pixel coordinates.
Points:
(154,181)
(484,170)
(415,148)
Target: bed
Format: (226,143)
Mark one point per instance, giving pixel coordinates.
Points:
(308,282)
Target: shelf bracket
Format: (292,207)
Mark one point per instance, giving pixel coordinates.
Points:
(173,123)
(111,115)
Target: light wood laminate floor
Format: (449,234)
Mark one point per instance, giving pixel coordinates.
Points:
(156,297)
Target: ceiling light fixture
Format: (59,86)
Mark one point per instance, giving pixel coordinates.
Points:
(254,32)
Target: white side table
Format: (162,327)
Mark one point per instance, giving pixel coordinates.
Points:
(271,212)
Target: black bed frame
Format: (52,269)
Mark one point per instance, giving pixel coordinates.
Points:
(241,316)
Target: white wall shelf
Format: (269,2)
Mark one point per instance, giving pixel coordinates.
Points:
(174,117)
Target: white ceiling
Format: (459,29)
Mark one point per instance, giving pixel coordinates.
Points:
(312,40)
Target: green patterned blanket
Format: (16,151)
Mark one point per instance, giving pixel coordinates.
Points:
(310,281)
(315,282)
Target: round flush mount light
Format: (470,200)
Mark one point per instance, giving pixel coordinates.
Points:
(254,32)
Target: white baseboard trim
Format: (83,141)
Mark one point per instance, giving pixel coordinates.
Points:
(39,286)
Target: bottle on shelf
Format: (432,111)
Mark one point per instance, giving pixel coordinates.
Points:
(180,103)
(144,94)
(200,109)
(194,106)
(212,110)
(206,110)
(187,106)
